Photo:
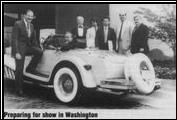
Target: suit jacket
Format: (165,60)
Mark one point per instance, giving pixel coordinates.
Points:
(126,34)
(81,40)
(140,39)
(68,46)
(100,43)
(20,39)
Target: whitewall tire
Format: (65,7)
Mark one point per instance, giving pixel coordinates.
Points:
(67,86)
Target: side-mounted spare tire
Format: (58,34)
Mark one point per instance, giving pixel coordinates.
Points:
(139,68)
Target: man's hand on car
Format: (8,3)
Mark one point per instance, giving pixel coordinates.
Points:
(18,56)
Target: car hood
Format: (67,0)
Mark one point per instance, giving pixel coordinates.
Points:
(105,64)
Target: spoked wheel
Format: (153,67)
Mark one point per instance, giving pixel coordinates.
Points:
(9,73)
(140,69)
(67,85)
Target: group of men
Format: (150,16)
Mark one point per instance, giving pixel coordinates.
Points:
(128,39)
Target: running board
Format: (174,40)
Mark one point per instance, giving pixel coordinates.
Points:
(37,77)
(10,74)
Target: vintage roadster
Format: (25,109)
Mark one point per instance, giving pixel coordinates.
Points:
(71,71)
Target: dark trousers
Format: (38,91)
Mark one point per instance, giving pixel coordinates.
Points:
(37,52)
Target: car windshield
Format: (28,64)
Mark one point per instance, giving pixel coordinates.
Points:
(53,42)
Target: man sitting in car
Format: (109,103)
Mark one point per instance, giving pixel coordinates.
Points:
(70,43)
(57,42)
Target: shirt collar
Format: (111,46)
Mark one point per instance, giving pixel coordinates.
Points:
(80,26)
(105,27)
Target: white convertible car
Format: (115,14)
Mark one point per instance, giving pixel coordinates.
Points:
(71,71)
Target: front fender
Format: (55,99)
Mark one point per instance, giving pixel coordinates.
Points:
(86,75)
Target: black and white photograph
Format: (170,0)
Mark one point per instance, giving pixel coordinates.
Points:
(89,60)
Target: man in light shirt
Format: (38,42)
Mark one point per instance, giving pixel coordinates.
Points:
(91,34)
(124,34)
(79,33)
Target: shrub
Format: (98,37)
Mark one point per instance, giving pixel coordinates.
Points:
(165,70)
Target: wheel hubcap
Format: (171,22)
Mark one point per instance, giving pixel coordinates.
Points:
(66,83)
(145,72)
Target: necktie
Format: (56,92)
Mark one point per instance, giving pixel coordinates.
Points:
(120,33)
(105,34)
(28,29)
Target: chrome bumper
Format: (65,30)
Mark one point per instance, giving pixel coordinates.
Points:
(117,84)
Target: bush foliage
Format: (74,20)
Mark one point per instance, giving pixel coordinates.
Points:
(164,28)
(164,24)
(165,70)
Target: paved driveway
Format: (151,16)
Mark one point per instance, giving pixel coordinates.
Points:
(43,98)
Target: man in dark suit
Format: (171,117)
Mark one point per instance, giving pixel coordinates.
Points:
(79,33)
(24,43)
(139,42)
(105,35)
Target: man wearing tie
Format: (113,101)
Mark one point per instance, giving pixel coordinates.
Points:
(106,36)
(79,33)
(24,43)
(124,35)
